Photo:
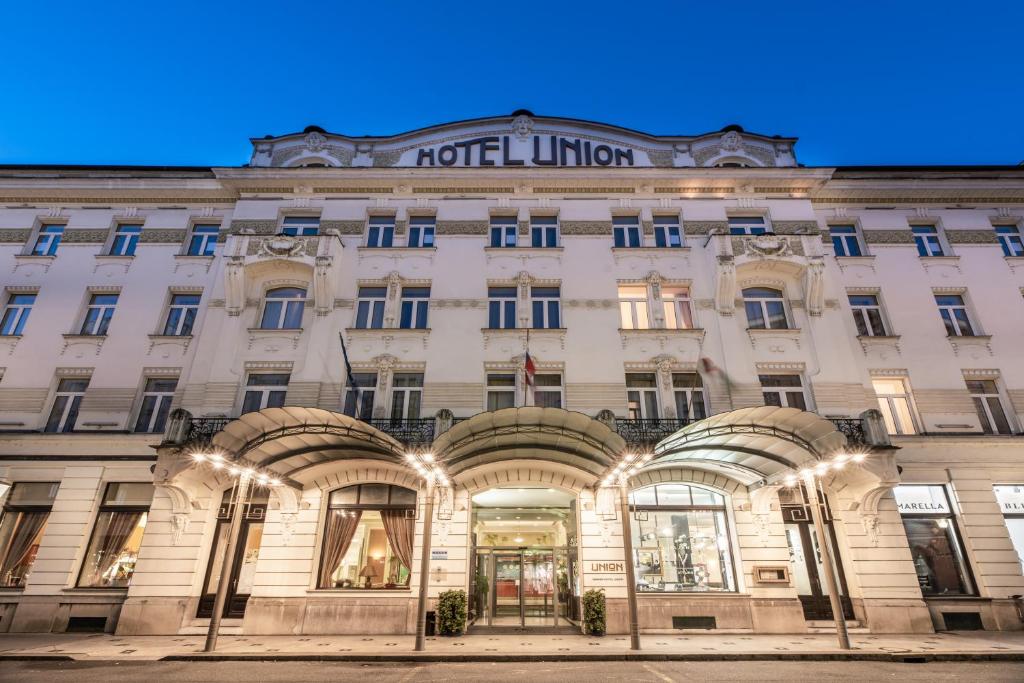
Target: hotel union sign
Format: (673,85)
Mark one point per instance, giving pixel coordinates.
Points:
(536,150)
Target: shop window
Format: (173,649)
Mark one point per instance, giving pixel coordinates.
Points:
(117,536)
(989,405)
(283,309)
(359,395)
(501,307)
(626,231)
(894,402)
(368,538)
(1011,502)
(633,307)
(765,309)
(265,390)
(784,391)
(501,390)
(544,232)
(935,547)
(421,231)
(203,241)
(381,231)
(21,530)
(642,396)
(504,231)
(126,239)
(300,226)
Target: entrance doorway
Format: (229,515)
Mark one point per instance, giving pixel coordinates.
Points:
(805,560)
(247,552)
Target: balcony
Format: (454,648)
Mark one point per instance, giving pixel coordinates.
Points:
(645,432)
(415,432)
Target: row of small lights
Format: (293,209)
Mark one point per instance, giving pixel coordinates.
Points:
(426,466)
(218,462)
(627,467)
(837,462)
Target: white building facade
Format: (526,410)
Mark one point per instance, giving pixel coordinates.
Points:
(524,303)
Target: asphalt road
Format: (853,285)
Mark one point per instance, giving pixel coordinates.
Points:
(537,672)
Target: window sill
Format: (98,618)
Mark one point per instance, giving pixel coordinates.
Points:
(35,258)
(1014,262)
(32,261)
(83,590)
(940,263)
(95,341)
(526,250)
(114,257)
(400,249)
(649,250)
(960,343)
(361,592)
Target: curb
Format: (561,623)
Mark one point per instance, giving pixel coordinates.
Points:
(906,657)
(37,658)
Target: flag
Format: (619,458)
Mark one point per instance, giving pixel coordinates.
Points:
(713,374)
(352,384)
(529,370)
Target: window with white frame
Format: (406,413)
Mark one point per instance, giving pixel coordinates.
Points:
(626,231)
(381,231)
(48,240)
(633,307)
(300,226)
(264,390)
(867,315)
(765,309)
(504,231)
(677,308)
(421,231)
(414,305)
(667,232)
(926,237)
(98,313)
(66,402)
(546,304)
(547,389)
(203,241)
(501,390)
(370,307)
(501,307)
(544,231)
(845,241)
(283,308)
(181,315)
(1010,240)
(642,396)
(406,395)
(360,394)
(113,549)
(953,310)
(156,404)
(688,391)
(989,405)
(747,225)
(785,391)
(126,238)
(16,312)
(894,402)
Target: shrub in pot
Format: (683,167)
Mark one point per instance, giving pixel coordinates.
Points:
(451,613)
(594,615)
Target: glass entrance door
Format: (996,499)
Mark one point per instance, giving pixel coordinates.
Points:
(538,587)
(806,568)
(243,571)
(507,589)
(527,587)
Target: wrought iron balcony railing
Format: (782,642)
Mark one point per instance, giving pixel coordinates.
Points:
(413,432)
(648,431)
(852,428)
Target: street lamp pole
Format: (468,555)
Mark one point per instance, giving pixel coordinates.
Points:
(428,529)
(828,563)
(627,547)
(227,565)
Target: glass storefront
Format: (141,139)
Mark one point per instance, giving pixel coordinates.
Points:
(935,546)
(21,530)
(117,536)
(1011,503)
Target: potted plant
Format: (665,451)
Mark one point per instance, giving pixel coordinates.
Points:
(481,589)
(451,613)
(594,615)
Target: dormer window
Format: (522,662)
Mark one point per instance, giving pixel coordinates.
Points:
(300,226)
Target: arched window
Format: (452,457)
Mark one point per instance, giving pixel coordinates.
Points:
(283,309)
(368,537)
(680,539)
(765,309)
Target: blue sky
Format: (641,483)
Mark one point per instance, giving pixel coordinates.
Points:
(895,82)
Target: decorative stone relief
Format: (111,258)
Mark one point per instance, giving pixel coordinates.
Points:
(522,126)
(234,285)
(288,521)
(179,525)
(725,289)
(814,286)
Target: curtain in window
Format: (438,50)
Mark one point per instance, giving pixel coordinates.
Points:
(120,526)
(21,544)
(399,529)
(341,528)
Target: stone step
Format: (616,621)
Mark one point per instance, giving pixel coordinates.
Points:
(199,627)
(852,626)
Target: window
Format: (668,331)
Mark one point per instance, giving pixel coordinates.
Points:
(785,391)
(181,315)
(117,536)
(765,309)
(844,240)
(503,231)
(283,309)
(747,225)
(1011,502)
(156,404)
(667,232)
(626,230)
(421,231)
(501,307)
(547,390)
(204,240)
(415,301)
(501,390)
(689,395)
(546,307)
(359,396)
(680,539)
(987,402)
(126,238)
(676,304)
(21,530)
(16,313)
(926,237)
(544,231)
(894,402)
(370,307)
(867,315)
(368,538)
(642,396)
(954,315)
(300,226)
(98,314)
(633,309)
(264,390)
(934,542)
(406,395)
(1010,240)
(381,232)
(66,402)
(48,240)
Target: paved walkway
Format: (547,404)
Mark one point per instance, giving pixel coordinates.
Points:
(956,645)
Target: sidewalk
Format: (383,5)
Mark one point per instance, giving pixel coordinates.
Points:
(974,645)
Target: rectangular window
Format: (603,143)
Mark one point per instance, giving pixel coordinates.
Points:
(1011,502)
(66,403)
(204,240)
(503,231)
(156,404)
(359,396)
(117,536)
(786,391)
(48,240)
(421,231)
(926,237)
(98,314)
(844,240)
(765,309)
(415,301)
(747,225)
(25,514)
(689,394)
(283,308)
(181,315)
(547,390)
(501,390)
(867,315)
(633,308)
(300,226)
(626,231)
(1010,240)
(989,405)
(16,313)
(894,402)
(381,231)
(501,308)
(935,547)
(678,311)
(954,315)
(642,396)
(667,232)
(126,238)
(544,231)
(406,395)
(546,307)
(370,307)
(264,390)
